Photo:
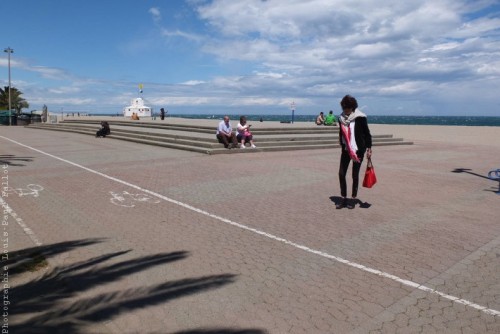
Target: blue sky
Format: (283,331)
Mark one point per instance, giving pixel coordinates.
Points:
(413,57)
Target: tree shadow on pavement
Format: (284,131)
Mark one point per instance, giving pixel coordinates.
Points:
(45,251)
(54,303)
(12,160)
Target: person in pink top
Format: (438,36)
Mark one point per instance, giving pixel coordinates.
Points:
(244,135)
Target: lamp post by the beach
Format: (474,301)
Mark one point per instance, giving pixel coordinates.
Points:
(292,106)
(9,51)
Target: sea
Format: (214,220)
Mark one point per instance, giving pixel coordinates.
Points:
(407,120)
(373,119)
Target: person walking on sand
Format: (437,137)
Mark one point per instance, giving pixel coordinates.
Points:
(355,139)
(225,134)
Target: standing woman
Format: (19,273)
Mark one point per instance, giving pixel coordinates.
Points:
(355,139)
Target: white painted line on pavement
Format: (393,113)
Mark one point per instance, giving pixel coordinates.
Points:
(273,237)
(26,229)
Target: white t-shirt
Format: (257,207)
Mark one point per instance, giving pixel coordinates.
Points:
(241,129)
(352,140)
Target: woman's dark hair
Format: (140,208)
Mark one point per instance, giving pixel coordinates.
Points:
(349,102)
(242,119)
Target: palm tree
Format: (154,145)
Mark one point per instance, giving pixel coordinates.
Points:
(17,102)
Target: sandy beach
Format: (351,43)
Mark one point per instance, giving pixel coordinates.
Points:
(154,240)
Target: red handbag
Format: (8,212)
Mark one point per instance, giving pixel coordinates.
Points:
(370,177)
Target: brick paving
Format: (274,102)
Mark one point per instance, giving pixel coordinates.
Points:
(124,261)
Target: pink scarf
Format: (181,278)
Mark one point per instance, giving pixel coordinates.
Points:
(346,133)
(345,121)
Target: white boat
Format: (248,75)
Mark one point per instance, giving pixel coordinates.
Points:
(137,106)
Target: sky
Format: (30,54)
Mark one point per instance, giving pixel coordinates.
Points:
(412,57)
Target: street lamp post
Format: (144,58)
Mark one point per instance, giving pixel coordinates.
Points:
(9,51)
(292,106)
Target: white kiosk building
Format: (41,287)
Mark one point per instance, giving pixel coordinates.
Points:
(137,106)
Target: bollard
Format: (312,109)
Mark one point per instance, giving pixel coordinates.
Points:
(495,176)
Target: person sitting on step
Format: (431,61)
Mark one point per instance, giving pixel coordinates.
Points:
(225,134)
(320,120)
(244,135)
(330,119)
(104,130)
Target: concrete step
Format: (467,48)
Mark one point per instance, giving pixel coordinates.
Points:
(204,129)
(169,133)
(207,144)
(316,139)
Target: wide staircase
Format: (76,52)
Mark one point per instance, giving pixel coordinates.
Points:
(201,138)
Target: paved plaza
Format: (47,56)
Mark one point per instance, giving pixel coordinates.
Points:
(144,239)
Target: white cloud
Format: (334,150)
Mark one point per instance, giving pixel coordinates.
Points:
(443,47)
(490,69)
(192,82)
(155,13)
(272,75)
(65,90)
(51,101)
(179,33)
(482,26)
(50,72)
(372,50)
(324,36)
(405,88)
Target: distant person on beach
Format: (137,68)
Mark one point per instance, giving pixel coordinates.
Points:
(355,139)
(244,135)
(225,134)
(104,130)
(320,120)
(330,119)
(162,114)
